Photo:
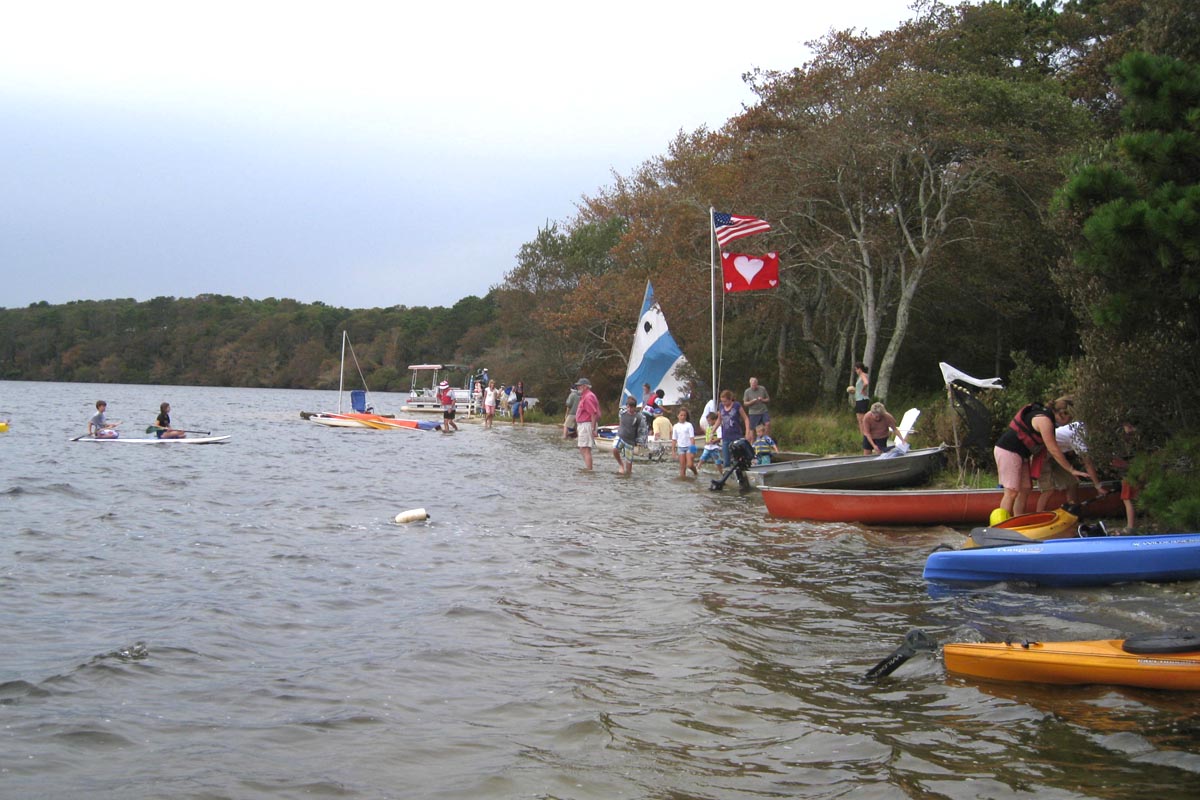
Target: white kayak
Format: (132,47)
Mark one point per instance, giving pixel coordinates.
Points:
(154,440)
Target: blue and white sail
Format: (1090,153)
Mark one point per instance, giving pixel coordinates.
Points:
(655,358)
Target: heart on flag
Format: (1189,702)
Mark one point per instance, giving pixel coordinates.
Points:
(743,273)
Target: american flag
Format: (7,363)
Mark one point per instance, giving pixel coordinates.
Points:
(731,226)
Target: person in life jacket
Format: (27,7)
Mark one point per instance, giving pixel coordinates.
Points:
(1024,445)
(449,407)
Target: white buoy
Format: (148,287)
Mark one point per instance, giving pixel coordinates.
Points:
(412,515)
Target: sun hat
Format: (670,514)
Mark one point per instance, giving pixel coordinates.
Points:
(444,384)
(583,382)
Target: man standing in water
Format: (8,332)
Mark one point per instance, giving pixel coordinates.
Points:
(586,417)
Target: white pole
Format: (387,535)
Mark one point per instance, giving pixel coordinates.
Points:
(342,372)
(712,288)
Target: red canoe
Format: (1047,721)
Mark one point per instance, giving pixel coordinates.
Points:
(909,506)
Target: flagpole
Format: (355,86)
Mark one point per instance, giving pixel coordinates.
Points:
(712,289)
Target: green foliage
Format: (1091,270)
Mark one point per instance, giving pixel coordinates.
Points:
(213,340)
(1140,235)
(1028,382)
(1136,210)
(818,431)
(1170,483)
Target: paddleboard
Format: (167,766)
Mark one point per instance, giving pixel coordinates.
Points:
(132,440)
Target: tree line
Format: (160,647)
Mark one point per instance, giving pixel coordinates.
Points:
(217,340)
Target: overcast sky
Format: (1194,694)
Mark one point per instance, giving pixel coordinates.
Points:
(357,153)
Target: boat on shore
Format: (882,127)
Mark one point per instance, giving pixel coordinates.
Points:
(792,455)
(423,394)
(368,420)
(887,471)
(1092,561)
(1149,662)
(1061,523)
(361,415)
(907,506)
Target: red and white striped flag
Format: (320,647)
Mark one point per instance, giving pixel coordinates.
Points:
(731,226)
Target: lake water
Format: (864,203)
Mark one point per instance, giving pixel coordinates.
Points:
(246,621)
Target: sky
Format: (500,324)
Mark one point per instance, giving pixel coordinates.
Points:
(360,154)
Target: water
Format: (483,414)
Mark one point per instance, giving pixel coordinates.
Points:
(246,621)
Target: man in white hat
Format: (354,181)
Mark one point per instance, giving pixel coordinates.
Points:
(449,406)
(587,415)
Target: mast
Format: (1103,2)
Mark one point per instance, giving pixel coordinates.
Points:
(342,372)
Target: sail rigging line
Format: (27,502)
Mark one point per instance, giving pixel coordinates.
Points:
(342,370)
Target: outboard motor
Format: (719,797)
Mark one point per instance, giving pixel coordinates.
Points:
(741,457)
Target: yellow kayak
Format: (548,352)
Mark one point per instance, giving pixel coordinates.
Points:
(1057,524)
(1121,662)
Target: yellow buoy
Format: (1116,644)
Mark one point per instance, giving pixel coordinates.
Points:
(412,515)
(998,515)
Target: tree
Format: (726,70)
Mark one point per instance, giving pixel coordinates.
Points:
(890,155)
(1134,210)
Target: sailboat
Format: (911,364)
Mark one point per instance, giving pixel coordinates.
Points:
(361,414)
(655,357)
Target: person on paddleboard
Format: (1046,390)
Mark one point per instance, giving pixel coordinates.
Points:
(98,427)
(163,422)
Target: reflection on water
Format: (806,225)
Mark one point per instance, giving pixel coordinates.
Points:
(245,620)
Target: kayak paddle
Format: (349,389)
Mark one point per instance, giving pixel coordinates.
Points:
(153,428)
(914,641)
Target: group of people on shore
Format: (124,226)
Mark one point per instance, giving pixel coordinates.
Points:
(98,426)
(1037,445)
(875,423)
(490,397)
(639,423)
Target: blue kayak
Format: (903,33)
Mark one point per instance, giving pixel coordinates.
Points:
(1093,561)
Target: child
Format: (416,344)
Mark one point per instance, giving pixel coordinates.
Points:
(662,428)
(712,440)
(99,427)
(764,445)
(1129,491)
(684,436)
(631,431)
(449,407)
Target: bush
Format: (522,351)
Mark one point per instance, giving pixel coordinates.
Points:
(1170,481)
(818,431)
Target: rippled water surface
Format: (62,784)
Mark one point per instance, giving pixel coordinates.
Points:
(246,620)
